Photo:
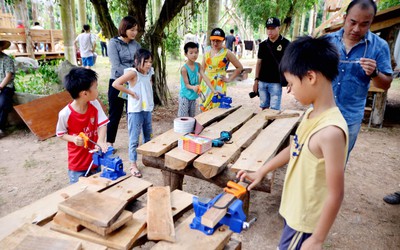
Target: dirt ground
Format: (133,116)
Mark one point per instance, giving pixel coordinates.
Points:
(31,169)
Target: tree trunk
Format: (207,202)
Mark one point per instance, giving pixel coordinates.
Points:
(73,13)
(51,16)
(104,18)
(66,8)
(21,5)
(157,9)
(296,27)
(34,11)
(303,21)
(81,13)
(213,17)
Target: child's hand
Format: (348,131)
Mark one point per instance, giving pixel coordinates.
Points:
(225,79)
(103,146)
(195,88)
(135,96)
(311,244)
(253,177)
(79,141)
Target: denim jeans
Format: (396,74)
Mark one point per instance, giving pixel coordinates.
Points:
(74,175)
(270,95)
(136,122)
(354,129)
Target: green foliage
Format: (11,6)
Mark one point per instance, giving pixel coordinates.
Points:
(172,42)
(42,81)
(384,4)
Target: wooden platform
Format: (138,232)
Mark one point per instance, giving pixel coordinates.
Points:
(255,139)
(17,227)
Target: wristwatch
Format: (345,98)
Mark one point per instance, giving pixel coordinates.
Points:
(375,73)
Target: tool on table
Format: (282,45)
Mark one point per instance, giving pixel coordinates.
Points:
(201,95)
(225,136)
(225,209)
(112,164)
(225,101)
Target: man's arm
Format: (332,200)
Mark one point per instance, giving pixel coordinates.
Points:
(257,73)
(6,80)
(334,155)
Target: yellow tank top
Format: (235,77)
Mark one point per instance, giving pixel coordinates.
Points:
(305,189)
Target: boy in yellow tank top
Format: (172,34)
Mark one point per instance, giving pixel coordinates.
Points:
(314,183)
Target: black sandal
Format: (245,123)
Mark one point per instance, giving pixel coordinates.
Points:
(393,199)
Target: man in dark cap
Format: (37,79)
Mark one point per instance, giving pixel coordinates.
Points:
(268,80)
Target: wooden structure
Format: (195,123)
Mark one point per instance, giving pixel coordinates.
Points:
(387,23)
(7,20)
(255,139)
(34,223)
(49,39)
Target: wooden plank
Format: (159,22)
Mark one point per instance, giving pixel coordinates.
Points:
(179,159)
(44,209)
(41,115)
(129,189)
(168,140)
(160,225)
(16,237)
(187,238)
(45,243)
(213,215)
(266,145)
(233,245)
(96,208)
(215,160)
(63,219)
(124,237)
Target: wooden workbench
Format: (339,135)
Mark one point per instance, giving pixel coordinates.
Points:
(36,220)
(255,139)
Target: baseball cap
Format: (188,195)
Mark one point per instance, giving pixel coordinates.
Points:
(217,34)
(272,22)
(4,44)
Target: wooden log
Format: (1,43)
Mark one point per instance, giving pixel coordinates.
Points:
(43,243)
(65,221)
(379,109)
(160,225)
(219,180)
(168,140)
(175,181)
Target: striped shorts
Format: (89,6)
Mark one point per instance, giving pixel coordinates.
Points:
(187,107)
(292,239)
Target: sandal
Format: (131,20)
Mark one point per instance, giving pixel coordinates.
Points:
(392,198)
(137,173)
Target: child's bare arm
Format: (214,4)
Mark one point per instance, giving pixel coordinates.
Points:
(256,177)
(334,155)
(102,138)
(185,77)
(120,81)
(78,141)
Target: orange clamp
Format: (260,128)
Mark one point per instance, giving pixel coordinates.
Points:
(235,189)
(85,138)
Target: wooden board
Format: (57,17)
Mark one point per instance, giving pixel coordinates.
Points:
(124,237)
(46,243)
(96,208)
(41,115)
(178,159)
(160,225)
(266,145)
(212,216)
(168,140)
(64,220)
(44,208)
(17,236)
(187,238)
(129,189)
(215,160)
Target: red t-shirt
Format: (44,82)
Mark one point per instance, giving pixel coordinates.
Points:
(72,123)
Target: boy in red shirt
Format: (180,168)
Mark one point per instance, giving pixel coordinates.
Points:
(83,114)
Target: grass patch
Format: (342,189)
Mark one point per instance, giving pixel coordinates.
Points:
(31,163)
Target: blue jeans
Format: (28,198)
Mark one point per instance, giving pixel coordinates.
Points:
(74,175)
(270,95)
(354,129)
(136,122)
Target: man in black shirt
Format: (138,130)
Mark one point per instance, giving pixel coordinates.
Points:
(229,40)
(268,81)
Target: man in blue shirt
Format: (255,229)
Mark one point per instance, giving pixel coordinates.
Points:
(364,56)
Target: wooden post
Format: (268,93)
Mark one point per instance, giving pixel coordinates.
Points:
(379,109)
(175,181)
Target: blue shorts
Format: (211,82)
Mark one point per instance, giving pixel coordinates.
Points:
(74,175)
(87,61)
(292,239)
(270,95)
